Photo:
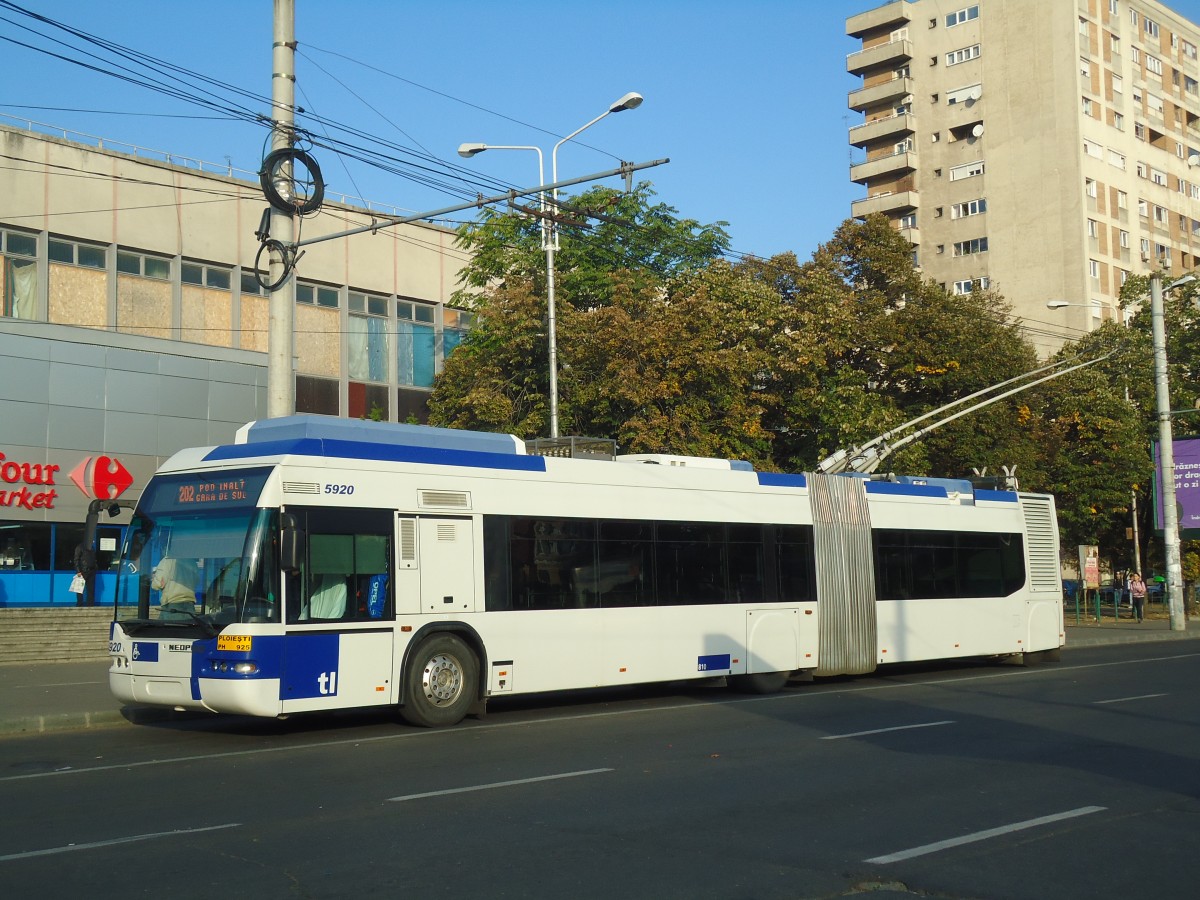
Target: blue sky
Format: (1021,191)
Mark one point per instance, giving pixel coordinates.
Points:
(748,100)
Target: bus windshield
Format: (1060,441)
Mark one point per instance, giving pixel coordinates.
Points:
(200,553)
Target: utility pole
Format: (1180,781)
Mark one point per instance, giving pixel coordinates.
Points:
(1166,457)
(281,383)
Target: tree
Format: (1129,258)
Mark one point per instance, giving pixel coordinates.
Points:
(630,233)
(882,347)
(498,378)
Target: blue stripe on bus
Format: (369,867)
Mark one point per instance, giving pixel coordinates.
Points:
(385,452)
(775,479)
(907,490)
(1001,496)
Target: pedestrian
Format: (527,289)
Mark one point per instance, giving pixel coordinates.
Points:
(84,561)
(1137,591)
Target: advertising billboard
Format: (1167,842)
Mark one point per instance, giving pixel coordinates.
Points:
(1187,486)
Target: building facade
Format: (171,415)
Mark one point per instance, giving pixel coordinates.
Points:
(1047,150)
(133,325)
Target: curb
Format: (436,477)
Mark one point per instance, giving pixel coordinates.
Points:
(78,721)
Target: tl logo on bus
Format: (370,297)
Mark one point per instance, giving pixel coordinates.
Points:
(103,478)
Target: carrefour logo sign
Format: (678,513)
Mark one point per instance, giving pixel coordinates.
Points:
(28,485)
(104,479)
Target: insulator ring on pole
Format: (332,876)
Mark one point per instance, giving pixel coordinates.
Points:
(271,178)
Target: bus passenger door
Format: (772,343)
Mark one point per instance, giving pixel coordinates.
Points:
(340,621)
(435,565)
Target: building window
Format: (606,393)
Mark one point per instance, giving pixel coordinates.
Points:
(970,208)
(1150,27)
(1115,159)
(1112,6)
(1158,177)
(1153,64)
(954,57)
(145,266)
(969,170)
(968,248)
(1143,209)
(1125,239)
(1189,49)
(1089,187)
(18,276)
(89,256)
(1118,122)
(1089,108)
(1083,27)
(1093,149)
(971,284)
(368,338)
(1139,131)
(250,285)
(415,343)
(1122,200)
(962,15)
(206,276)
(318,395)
(908,221)
(1085,68)
(1118,84)
(317,295)
(964,94)
(1094,268)
(1093,228)
(1136,55)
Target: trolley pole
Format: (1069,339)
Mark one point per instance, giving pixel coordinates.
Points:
(281,384)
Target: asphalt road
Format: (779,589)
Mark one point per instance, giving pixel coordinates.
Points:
(1078,779)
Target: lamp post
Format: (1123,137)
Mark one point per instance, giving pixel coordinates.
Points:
(550,232)
(1166,445)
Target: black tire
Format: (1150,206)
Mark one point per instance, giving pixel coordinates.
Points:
(758,683)
(440,683)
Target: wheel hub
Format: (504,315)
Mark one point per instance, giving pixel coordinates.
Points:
(442,680)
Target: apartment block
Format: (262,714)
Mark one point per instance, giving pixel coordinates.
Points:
(1048,150)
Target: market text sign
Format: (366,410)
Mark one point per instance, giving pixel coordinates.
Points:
(36,484)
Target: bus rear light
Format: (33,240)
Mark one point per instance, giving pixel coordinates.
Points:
(245,668)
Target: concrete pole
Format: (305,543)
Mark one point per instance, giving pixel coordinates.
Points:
(281,382)
(1166,457)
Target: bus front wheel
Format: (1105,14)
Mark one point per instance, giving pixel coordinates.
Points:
(440,684)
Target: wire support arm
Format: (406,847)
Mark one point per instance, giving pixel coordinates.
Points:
(625,170)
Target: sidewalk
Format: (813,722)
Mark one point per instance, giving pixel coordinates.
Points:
(38,698)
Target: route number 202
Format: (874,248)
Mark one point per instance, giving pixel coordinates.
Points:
(339,489)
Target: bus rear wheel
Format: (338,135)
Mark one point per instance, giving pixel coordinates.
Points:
(758,683)
(441,682)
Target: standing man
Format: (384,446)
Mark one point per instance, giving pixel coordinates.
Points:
(84,561)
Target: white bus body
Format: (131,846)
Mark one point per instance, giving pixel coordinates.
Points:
(328,564)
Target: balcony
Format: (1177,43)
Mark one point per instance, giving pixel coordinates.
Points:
(893,53)
(912,235)
(895,163)
(878,94)
(893,127)
(893,14)
(888,204)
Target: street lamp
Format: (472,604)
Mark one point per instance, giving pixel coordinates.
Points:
(631,100)
(1166,445)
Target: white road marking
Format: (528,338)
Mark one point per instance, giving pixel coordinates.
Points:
(838,737)
(125,840)
(58,684)
(1125,699)
(984,835)
(496,784)
(434,733)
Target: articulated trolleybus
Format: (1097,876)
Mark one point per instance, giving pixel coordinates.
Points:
(321,564)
